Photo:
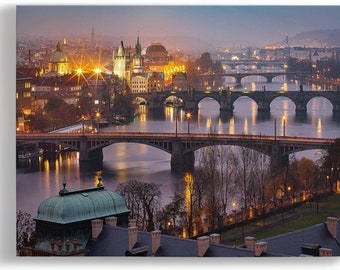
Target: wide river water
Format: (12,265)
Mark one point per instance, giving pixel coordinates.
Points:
(130,161)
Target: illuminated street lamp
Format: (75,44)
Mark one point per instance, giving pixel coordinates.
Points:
(82,125)
(188,115)
(176,106)
(98,116)
(234,217)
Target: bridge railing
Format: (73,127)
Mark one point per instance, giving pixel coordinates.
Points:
(28,136)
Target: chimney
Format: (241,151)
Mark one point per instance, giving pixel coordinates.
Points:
(156,240)
(132,222)
(97,226)
(111,221)
(132,233)
(260,247)
(331,225)
(214,238)
(203,245)
(249,242)
(325,252)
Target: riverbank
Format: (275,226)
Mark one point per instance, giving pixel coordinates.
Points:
(305,215)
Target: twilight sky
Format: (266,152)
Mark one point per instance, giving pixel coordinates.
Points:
(213,25)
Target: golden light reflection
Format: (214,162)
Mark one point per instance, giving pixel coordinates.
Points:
(253,86)
(142,113)
(253,113)
(170,114)
(232,125)
(47,174)
(208,123)
(245,126)
(220,125)
(285,106)
(189,189)
(319,129)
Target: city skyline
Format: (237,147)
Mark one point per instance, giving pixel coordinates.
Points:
(209,26)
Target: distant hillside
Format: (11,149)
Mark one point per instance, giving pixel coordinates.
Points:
(317,38)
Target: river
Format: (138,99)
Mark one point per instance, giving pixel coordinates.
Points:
(129,161)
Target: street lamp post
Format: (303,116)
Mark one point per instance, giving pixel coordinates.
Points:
(176,115)
(275,129)
(235,221)
(98,116)
(188,117)
(82,125)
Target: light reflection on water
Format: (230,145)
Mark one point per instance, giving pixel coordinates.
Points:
(130,161)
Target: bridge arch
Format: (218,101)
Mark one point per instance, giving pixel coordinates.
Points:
(72,145)
(212,98)
(253,78)
(327,103)
(282,98)
(249,100)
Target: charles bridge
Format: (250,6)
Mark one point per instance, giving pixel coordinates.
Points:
(181,146)
(190,99)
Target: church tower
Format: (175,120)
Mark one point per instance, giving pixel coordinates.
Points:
(137,62)
(120,62)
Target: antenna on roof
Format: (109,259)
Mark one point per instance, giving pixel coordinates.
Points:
(64,190)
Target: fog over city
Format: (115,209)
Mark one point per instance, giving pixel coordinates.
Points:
(185,27)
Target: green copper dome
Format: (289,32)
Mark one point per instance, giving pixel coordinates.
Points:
(80,205)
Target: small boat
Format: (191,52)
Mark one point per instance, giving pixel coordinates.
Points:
(30,154)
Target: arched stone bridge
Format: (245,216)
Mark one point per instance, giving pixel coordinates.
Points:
(181,146)
(226,99)
(238,76)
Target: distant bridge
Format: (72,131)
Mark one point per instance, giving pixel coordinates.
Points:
(240,75)
(226,99)
(181,146)
(258,63)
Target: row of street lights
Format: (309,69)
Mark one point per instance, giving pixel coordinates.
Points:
(188,115)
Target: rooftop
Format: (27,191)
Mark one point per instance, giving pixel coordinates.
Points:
(79,205)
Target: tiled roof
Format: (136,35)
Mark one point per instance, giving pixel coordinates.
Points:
(113,241)
(291,243)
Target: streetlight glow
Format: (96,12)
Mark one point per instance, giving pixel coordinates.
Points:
(188,115)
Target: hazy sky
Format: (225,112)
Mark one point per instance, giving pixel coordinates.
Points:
(254,25)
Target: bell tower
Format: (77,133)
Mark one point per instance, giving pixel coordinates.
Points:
(119,62)
(137,62)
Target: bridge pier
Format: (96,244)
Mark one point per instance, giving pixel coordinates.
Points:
(191,106)
(225,102)
(180,161)
(85,154)
(278,161)
(263,106)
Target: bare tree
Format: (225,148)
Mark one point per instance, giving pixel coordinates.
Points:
(226,171)
(142,199)
(25,231)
